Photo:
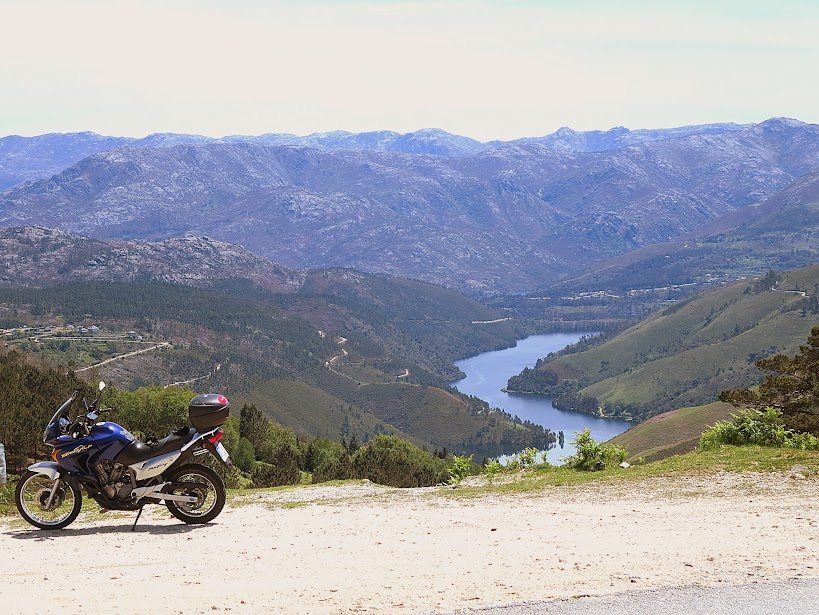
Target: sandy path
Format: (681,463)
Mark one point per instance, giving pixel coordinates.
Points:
(369,549)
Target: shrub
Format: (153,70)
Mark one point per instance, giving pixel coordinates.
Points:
(269,475)
(244,456)
(388,460)
(150,410)
(761,427)
(591,455)
(491,468)
(461,468)
(328,460)
(277,447)
(527,458)
(7,495)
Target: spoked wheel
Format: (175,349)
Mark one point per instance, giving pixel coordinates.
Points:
(32,498)
(202,483)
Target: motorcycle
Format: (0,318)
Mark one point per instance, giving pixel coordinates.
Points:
(121,473)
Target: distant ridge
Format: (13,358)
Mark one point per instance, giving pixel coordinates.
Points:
(30,158)
(617,138)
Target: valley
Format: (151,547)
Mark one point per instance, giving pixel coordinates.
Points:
(274,351)
(685,354)
(267,267)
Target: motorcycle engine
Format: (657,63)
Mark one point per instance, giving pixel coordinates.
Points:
(109,474)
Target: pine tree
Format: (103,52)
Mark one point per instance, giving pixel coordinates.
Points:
(793,388)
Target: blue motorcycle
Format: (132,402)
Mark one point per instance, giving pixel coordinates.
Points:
(121,473)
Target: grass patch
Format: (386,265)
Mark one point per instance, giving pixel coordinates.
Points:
(7,506)
(698,464)
(294,504)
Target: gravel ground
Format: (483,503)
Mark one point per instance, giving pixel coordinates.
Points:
(361,548)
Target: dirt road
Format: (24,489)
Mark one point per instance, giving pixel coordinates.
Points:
(369,549)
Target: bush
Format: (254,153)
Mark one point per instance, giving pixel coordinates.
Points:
(7,495)
(328,460)
(277,448)
(761,427)
(491,467)
(244,456)
(461,468)
(527,458)
(593,456)
(269,475)
(150,410)
(388,460)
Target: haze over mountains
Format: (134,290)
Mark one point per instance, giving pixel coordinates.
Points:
(480,217)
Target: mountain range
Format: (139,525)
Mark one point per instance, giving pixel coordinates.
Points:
(32,158)
(482,218)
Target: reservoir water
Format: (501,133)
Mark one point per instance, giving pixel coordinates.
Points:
(488,373)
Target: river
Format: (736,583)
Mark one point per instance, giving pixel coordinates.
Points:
(488,372)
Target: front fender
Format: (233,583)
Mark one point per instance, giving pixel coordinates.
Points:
(48,468)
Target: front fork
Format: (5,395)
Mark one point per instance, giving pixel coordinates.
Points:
(57,482)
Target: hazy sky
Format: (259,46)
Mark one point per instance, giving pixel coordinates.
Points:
(486,69)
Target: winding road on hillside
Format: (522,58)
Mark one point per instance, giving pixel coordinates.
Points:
(356,548)
(125,356)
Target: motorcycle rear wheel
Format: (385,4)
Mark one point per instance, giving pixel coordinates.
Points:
(203,483)
(31,497)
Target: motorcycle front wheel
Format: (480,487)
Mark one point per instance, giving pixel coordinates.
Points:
(32,499)
(204,484)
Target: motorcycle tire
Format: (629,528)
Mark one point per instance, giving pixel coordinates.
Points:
(204,483)
(31,497)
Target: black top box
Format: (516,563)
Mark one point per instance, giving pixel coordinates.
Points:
(208,411)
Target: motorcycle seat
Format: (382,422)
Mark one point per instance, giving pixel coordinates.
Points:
(139,451)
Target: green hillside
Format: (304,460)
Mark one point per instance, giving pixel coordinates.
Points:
(685,354)
(671,433)
(313,411)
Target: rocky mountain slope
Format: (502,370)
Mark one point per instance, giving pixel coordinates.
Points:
(32,158)
(619,137)
(507,219)
(779,234)
(41,256)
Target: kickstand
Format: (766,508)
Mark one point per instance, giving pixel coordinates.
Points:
(133,527)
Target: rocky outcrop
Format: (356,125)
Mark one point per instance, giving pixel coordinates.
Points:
(39,256)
